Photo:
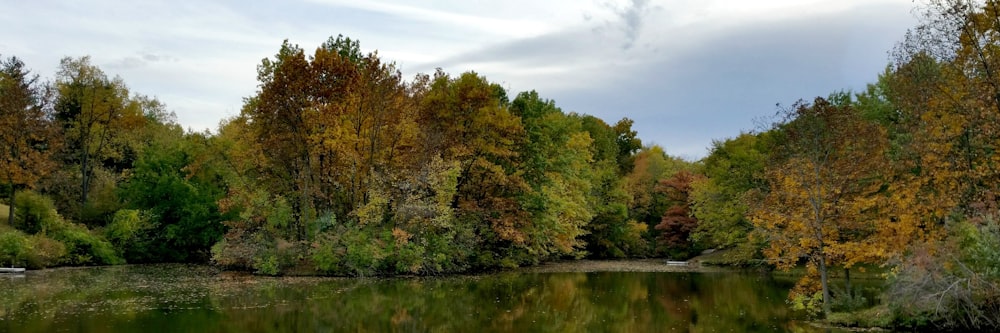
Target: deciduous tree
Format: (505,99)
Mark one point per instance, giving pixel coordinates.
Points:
(824,183)
(98,117)
(27,134)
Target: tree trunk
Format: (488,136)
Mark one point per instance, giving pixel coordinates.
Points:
(84,181)
(10,210)
(847,277)
(826,286)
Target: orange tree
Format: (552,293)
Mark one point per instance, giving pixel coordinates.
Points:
(825,183)
(26,129)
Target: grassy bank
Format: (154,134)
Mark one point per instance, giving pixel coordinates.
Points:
(4,213)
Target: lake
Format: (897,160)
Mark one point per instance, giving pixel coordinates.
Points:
(191,298)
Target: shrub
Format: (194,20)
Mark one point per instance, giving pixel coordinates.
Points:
(47,252)
(327,254)
(878,316)
(952,284)
(34,213)
(235,254)
(126,233)
(354,251)
(85,248)
(14,247)
(364,253)
(267,264)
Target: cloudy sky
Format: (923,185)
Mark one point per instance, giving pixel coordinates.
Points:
(687,71)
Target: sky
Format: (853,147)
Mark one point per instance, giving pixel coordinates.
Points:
(686,71)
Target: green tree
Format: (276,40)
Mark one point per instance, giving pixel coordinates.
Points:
(610,233)
(99,119)
(176,182)
(733,169)
(556,157)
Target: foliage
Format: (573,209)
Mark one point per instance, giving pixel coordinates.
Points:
(677,222)
(556,154)
(127,232)
(27,135)
(877,316)
(651,165)
(612,233)
(954,284)
(14,247)
(733,170)
(45,252)
(37,213)
(177,187)
(824,184)
(98,117)
(84,247)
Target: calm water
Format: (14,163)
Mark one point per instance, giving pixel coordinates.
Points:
(178,298)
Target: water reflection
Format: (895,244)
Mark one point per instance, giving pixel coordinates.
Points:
(178,298)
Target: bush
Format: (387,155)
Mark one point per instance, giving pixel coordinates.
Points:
(237,254)
(952,284)
(85,248)
(14,248)
(47,252)
(878,316)
(326,255)
(126,234)
(366,251)
(34,213)
(267,264)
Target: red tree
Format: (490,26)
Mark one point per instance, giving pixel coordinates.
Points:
(677,222)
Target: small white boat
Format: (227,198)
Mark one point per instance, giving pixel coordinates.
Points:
(11,270)
(676,263)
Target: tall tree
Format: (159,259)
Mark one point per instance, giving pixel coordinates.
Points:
(947,86)
(650,166)
(177,180)
(824,183)
(678,223)
(466,119)
(27,137)
(555,159)
(733,169)
(611,232)
(97,115)
(277,116)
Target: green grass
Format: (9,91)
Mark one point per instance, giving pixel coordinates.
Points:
(4,213)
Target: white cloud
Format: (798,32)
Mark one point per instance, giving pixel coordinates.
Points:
(651,60)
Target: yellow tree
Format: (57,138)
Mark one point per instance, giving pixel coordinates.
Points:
(26,129)
(466,119)
(365,122)
(825,184)
(98,115)
(329,127)
(947,85)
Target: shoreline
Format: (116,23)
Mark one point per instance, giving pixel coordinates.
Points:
(620,265)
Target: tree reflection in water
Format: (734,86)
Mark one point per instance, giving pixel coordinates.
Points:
(181,298)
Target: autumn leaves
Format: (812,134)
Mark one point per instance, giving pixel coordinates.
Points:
(341,161)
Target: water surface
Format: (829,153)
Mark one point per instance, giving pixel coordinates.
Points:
(183,298)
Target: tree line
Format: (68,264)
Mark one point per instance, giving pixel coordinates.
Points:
(335,165)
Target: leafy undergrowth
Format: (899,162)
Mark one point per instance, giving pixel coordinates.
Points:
(718,258)
(875,317)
